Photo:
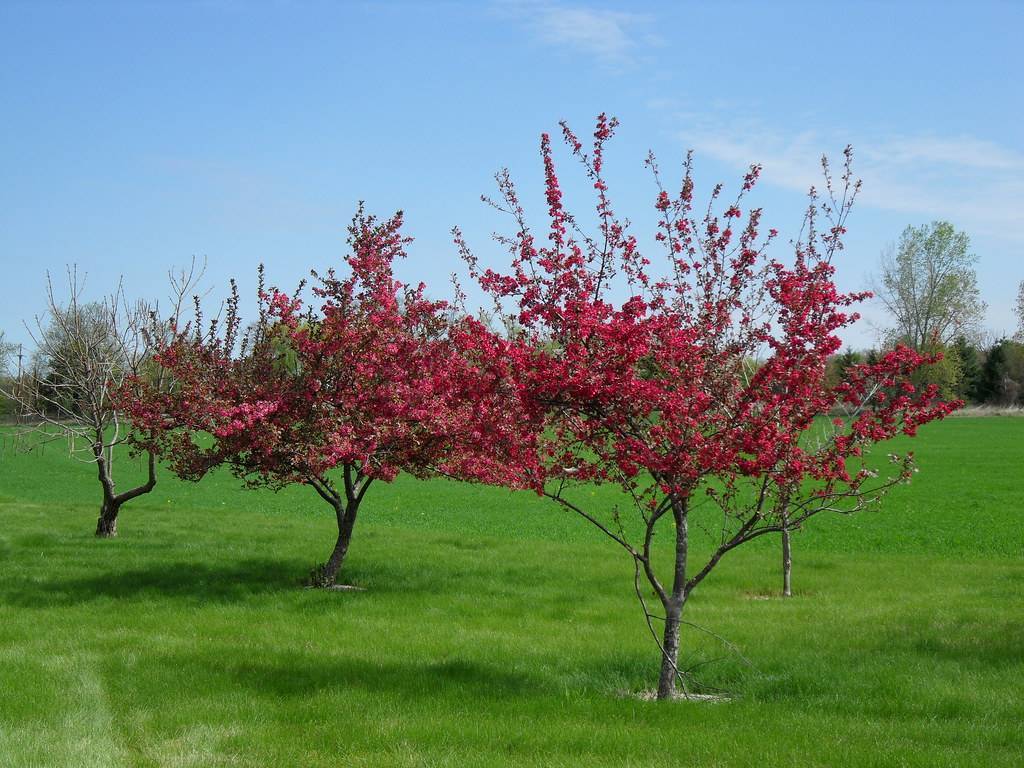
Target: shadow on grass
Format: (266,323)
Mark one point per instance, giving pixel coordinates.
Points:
(226,583)
(230,582)
(302,677)
(997,644)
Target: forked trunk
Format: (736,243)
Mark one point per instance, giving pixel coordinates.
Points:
(346,522)
(106,526)
(346,506)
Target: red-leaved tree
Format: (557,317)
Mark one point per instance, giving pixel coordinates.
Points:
(696,383)
(370,385)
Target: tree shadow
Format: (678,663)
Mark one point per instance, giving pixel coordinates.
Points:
(990,644)
(235,581)
(216,583)
(302,677)
(229,582)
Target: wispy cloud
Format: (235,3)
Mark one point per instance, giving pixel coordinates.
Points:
(610,36)
(973,182)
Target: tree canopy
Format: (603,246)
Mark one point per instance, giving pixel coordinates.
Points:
(928,285)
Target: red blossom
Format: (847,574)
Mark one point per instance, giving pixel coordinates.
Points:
(707,369)
(379,379)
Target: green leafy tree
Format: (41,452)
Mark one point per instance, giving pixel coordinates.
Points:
(928,284)
(848,359)
(838,365)
(969,362)
(945,373)
(1002,375)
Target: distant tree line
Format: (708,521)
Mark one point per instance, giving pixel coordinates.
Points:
(928,286)
(978,374)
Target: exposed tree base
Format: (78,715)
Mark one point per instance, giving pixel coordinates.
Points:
(775,595)
(787,560)
(336,587)
(106,528)
(708,698)
(324,576)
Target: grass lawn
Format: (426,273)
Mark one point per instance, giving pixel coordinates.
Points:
(495,629)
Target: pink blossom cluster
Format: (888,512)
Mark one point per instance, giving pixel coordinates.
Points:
(706,365)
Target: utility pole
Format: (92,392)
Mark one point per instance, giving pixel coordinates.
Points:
(20,385)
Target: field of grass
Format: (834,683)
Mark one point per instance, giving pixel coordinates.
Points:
(498,630)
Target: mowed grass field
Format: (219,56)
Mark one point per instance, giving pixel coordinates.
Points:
(497,630)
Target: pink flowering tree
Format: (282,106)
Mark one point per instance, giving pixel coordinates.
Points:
(365,387)
(696,383)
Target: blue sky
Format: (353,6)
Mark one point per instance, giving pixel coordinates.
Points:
(137,135)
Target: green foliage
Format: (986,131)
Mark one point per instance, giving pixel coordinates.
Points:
(1002,375)
(1019,309)
(838,365)
(929,286)
(968,359)
(946,374)
(8,407)
(286,357)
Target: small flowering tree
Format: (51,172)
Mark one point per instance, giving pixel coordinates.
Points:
(643,375)
(368,386)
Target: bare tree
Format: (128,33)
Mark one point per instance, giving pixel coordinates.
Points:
(7,376)
(1020,312)
(6,353)
(929,286)
(85,354)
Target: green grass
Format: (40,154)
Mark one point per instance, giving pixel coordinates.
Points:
(497,630)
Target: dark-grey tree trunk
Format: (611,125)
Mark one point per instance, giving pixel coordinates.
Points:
(346,522)
(762,517)
(106,525)
(346,509)
(787,561)
(673,603)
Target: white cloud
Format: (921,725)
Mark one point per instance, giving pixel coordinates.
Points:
(965,152)
(610,36)
(975,183)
